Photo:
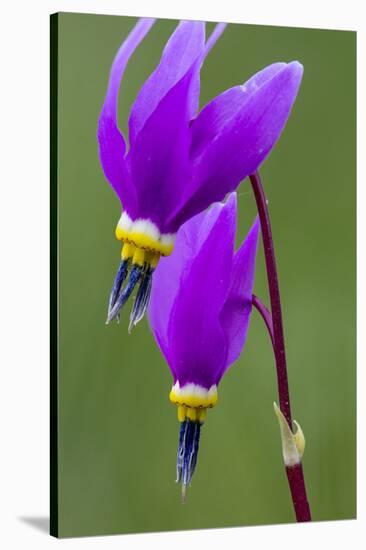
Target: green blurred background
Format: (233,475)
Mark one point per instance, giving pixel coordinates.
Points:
(117,430)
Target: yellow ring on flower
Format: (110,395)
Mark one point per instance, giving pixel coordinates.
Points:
(191,413)
(145,235)
(140,240)
(194,396)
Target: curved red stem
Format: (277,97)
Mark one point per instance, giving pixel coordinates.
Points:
(274,325)
(265,314)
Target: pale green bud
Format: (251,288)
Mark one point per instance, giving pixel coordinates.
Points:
(293,444)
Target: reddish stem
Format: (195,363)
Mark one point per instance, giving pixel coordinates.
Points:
(296,481)
(274,293)
(274,324)
(265,314)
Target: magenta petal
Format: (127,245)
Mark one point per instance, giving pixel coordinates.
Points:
(236,312)
(197,341)
(165,288)
(111,142)
(202,295)
(168,276)
(214,36)
(219,112)
(158,161)
(183,48)
(243,143)
(111,152)
(195,87)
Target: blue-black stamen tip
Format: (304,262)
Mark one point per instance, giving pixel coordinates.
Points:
(124,294)
(189,437)
(117,284)
(142,298)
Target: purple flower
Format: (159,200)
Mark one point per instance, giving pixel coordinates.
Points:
(180,161)
(199,311)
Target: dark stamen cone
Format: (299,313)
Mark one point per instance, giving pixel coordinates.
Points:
(142,298)
(123,296)
(117,284)
(189,437)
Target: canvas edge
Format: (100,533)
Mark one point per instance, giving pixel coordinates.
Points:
(54,523)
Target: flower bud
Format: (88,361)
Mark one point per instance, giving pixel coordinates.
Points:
(293,445)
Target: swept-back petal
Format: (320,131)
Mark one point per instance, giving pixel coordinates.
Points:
(214,36)
(235,314)
(197,341)
(165,288)
(195,87)
(183,48)
(240,145)
(111,142)
(168,276)
(159,160)
(219,112)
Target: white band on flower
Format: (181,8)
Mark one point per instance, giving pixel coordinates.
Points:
(193,395)
(144,233)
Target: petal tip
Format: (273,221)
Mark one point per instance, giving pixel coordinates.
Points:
(296,68)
